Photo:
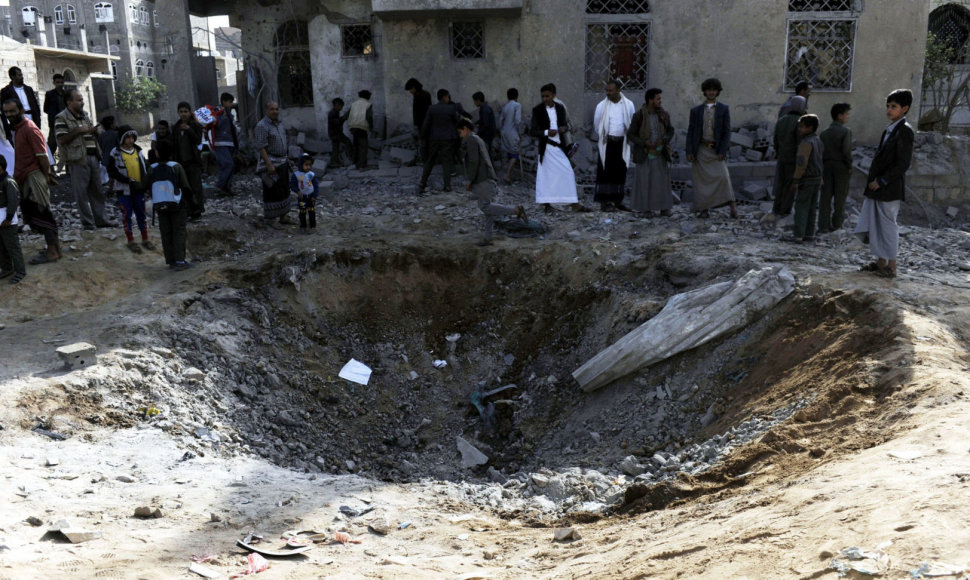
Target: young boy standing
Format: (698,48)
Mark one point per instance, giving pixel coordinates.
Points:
(482,181)
(171,225)
(306,187)
(127,168)
(886,186)
(335,130)
(837,168)
(807,179)
(11,256)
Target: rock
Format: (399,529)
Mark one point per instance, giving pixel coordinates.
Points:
(52,461)
(379,526)
(566,534)
(77,355)
(214,517)
(965,266)
(35,521)
(402,156)
(540,480)
(203,571)
(470,456)
(631,466)
(753,155)
(742,140)
(193,374)
(143,512)
(126,479)
(754,191)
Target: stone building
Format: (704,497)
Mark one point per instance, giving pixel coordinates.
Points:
(852,50)
(147,38)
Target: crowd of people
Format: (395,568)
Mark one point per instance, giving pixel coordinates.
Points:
(812,175)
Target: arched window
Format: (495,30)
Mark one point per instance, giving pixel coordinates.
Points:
(950,30)
(150,69)
(139,67)
(293,55)
(103,12)
(58,14)
(71,14)
(29,14)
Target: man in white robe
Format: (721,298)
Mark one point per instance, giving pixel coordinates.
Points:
(555,179)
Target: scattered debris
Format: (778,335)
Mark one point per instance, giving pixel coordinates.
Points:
(73,535)
(856,560)
(344,538)
(470,456)
(52,434)
(148,512)
(355,371)
(566,534)
(257,564)
(203,571)
(77,355)
(440,364)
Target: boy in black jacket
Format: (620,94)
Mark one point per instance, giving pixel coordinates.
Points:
(886,186)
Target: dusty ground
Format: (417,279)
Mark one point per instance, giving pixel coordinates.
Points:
(241,354)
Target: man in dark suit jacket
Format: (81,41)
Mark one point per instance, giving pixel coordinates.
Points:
(55,101)
(440,130)
(18,90)
(707,148)
(886,186)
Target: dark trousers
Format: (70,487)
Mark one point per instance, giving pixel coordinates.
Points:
(360,147)
(133,203)
(611,174)
(835,188)
(196,203)
(11,256)
(806,205)
(439,152)
(226,165)
(338,142)
(784,198)
(171,227)
(308,211)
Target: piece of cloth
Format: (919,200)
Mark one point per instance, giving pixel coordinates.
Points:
(510,123)
(171,229)
(277,200)
(806,208)
(711,180)
(611,172)
(133,204)
(86,186)
(11,255)
(877,224)
(555,179)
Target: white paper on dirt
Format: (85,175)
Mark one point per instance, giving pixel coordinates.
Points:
(355,371)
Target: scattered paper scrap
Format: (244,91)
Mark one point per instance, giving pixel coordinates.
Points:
(356,371)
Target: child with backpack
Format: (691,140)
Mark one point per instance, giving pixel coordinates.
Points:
(306,187)
(167,181)
(126,167)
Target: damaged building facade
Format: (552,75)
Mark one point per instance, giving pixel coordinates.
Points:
(857,51)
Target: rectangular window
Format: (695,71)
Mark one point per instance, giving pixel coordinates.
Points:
(103,12)
(617,51)
(356,40)
(820,5)
(155,17)
(467,40)
(617,7)
(29,14)
(133,13)
(821,52)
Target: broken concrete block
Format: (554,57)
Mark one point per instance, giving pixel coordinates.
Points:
(754,191)
(319,166)
(193,374)
(952,211)
(687,321)
(201,570)
(752,155)
(73,535)
(734,151)
(470,456)
(77,355)
(742,140)
(565,534)
(402,156)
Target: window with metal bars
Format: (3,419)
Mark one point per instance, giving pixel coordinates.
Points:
(467,40)
(293,55)
(821,5)
(356,40)
(617,7)
(617,51)
(950,29)
(820,52)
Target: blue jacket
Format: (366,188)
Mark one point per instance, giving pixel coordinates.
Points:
(722,129)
